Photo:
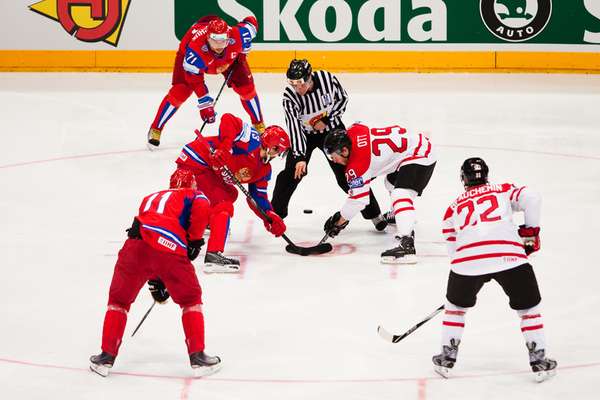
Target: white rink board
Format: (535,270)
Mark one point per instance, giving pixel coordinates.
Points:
(73,168)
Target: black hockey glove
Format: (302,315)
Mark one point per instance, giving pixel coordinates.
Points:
(331,227)
(158,290)
(194,248)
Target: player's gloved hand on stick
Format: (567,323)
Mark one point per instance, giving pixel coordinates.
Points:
(193,249)
(158,290)
(331,225)
(531,238)
(207,110)
(219,158)
(276,226)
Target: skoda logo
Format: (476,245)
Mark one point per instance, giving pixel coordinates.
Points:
(515,20)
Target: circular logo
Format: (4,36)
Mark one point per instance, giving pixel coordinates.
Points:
(515,20)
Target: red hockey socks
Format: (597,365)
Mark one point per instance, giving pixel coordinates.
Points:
(170,104)
(113,329)
(219,225)
(193,326)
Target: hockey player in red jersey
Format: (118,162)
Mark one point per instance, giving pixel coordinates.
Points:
(165,235)
(484,244)
(247,155)
(210,46)
(406,160)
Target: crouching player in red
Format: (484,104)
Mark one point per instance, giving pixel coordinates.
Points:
(164,237)
(210,47)
(247,155)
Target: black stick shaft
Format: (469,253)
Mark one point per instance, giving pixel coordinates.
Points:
(143,318)
(414,328)
(221,90)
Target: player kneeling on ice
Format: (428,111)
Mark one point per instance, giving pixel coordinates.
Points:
(165,236)
(484,244)
(240,149)
(406,160)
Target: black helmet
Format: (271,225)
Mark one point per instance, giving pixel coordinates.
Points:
(335,141)
(474,171)
(299,70)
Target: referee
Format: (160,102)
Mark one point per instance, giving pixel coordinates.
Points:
(313,105)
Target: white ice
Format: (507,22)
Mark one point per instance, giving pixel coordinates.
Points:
(73,168)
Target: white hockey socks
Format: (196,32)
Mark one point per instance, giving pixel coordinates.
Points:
(532,326)
(404,210)
(453,324)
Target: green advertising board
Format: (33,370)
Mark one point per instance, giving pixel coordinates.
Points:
(380,22)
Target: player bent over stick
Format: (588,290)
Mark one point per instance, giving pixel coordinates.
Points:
(248,155)
(210,46)
(164,237)
(484,244)
(406,160)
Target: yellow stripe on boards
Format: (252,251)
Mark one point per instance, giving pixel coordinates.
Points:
(334,60)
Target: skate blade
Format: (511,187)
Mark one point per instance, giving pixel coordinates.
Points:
(410,259)
(100,369)
(211,269)
(442,371)
(199,372)
(542,376)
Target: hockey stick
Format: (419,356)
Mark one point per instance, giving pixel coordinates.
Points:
(385,335)
(143,318)
(293,248)
(221,90)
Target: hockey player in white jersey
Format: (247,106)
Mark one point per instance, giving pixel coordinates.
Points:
(406,160)
(485,244)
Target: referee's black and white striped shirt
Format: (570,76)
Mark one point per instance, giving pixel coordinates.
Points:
(327,98)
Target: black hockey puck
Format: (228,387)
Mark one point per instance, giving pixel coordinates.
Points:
(307,211)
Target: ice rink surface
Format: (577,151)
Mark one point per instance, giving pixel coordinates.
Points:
(74,167)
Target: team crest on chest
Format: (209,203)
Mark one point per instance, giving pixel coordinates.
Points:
(243,175)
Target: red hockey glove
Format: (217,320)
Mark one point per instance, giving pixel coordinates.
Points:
(207,110)
(219,159)
(276,226)
(251,20)
(531,238)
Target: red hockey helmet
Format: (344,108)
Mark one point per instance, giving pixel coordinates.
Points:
(182,179)
(218,29)
(275,138)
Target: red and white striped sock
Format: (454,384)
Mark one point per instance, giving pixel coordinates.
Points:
(532,326)
(453,324)
(404,210)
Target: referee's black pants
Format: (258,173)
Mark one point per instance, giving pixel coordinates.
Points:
(285,185)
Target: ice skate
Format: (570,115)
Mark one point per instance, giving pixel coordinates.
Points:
(404,253)
(203,364)
(102,363)
(444,362)
(215,262)
(543,367)
(153,139)
(379,222)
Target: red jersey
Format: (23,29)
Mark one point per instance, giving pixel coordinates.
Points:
(199,59)
(170,218)
(243,142)
(479,230)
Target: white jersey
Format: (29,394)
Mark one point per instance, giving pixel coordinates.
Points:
(376,152)
(479,230)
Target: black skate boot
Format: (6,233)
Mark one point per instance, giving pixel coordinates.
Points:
(102,363)
(203,364)
(404,253)
(543,367)
(443,363)
(379,222)
(217,262)
(390,217)
(153,139)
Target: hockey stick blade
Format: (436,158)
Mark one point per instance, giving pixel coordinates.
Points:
(320,248)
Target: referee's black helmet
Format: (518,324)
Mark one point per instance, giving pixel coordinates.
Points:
(299,70)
